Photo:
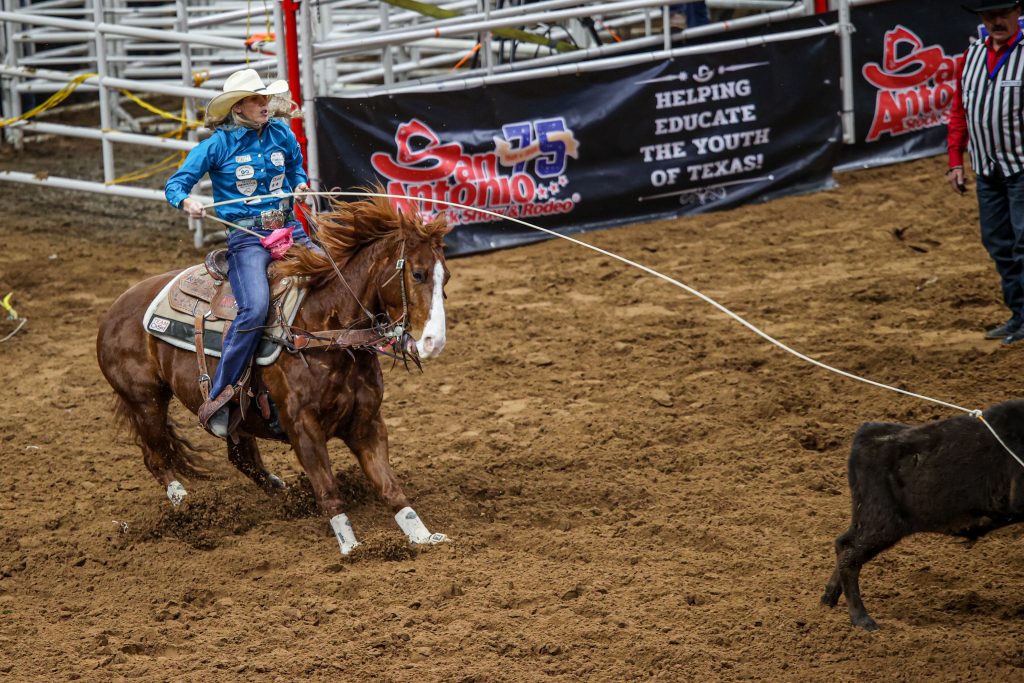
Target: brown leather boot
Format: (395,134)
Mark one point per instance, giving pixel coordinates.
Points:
(214,414)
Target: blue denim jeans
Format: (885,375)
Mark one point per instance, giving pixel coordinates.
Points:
(1001,210)
(247,272)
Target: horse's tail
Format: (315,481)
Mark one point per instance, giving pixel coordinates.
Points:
(178,452)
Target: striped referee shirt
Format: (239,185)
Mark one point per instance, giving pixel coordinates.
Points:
(992,97)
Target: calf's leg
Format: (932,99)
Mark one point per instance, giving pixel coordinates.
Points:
(853,550)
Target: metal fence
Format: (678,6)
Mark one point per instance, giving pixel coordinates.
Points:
(130,50)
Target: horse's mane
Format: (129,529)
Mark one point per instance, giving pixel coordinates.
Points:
(350,226)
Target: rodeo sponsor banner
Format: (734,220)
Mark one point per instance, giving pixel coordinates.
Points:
(905,56)
(599,149)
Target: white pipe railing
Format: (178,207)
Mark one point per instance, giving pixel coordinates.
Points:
(438,29)
(87,185)
(604,51)
(129,31)
(604,64)
(309,96)
(414,53)
(748,4)
(105,135)
(846,66)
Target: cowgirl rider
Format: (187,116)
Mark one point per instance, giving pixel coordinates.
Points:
(249,154)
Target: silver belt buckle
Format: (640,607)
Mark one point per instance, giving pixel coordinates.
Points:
(272,220)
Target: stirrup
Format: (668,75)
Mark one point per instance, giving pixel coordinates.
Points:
(212,405)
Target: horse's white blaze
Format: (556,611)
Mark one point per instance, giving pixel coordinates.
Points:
(176,493)
(431,342)
(344,533)
(414,528)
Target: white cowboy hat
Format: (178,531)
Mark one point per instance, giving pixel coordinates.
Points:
(238,86)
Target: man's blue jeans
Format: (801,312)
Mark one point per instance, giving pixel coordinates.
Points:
(1001,209)
(247,272)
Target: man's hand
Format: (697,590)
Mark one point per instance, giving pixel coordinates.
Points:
(955,176)
(193,208)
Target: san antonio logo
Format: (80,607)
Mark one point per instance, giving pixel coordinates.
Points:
(524,175)
(914,90)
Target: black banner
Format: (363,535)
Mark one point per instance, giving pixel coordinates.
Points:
(905,54)
(579,152)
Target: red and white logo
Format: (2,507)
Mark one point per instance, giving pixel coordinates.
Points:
(524,175)
(915,89)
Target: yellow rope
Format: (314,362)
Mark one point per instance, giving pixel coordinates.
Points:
(172,161)
(159,112)
(169,162)
(52,102)
(254,39)
(6,303)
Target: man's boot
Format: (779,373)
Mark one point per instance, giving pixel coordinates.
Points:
(215,413)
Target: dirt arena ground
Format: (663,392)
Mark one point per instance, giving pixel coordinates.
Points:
(636,486)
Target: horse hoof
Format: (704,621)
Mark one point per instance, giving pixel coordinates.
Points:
(276,482)
(867,623)
(176,493)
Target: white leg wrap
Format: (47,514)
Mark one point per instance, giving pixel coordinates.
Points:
(343,530)
(412,525)
(176,493)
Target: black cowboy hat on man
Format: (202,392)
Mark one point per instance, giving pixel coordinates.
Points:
(982,6)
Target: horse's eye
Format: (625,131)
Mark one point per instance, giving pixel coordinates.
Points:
(418,276)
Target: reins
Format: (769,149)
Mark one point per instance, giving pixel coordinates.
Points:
(976,413)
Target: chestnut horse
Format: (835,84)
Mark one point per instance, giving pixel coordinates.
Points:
(380,265)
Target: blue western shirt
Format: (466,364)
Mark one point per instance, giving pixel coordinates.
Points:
(243,163)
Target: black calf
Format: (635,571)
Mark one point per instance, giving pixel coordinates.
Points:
(950,477)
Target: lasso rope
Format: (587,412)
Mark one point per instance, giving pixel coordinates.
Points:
(650,271)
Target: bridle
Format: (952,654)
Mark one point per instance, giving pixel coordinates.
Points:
(397,330)
(386,337)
